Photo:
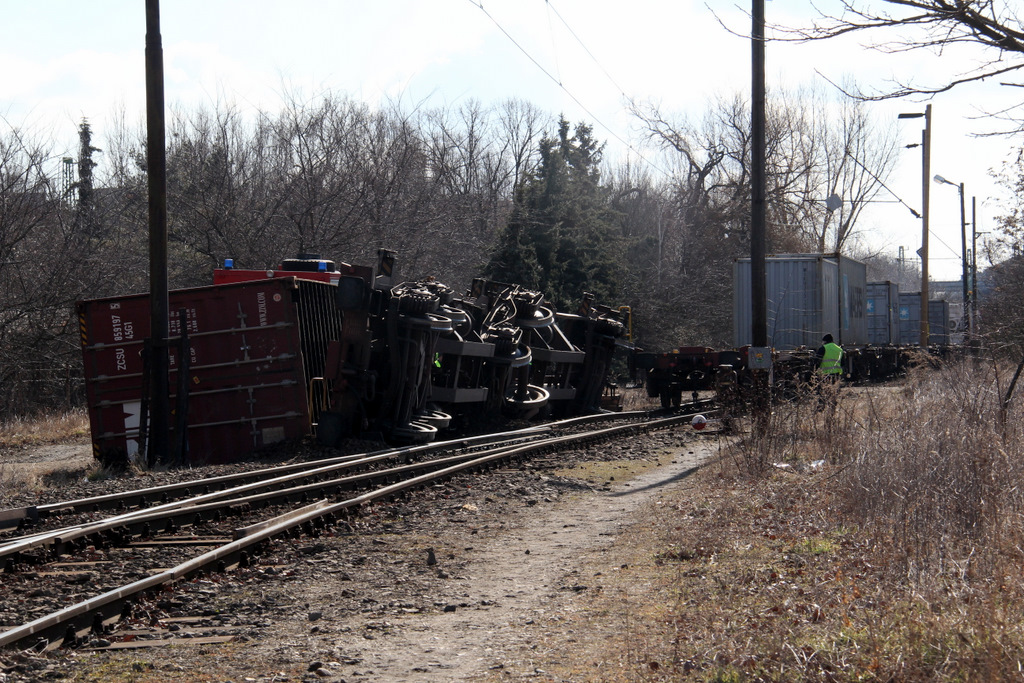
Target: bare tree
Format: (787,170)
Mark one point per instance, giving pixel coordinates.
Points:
(522,126)
(816,147)
(651,230)
(992,28)
(47,259)
(477,157)
(701,224)
(844,154)
(335,177)
(882,267)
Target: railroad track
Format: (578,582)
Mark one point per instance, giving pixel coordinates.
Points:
(146,549)
(174,503)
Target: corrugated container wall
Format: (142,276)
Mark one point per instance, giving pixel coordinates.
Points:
(254,346)
(883,313)
(808,295)
(910,320)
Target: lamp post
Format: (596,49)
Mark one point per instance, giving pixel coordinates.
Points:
(964,273)
(926,146)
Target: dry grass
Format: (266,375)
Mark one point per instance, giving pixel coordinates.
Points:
(636,398)
(19,436)
(36,431)
(898,557)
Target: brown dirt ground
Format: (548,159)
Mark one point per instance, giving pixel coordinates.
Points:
(29,467)
(616,568)
(511,595)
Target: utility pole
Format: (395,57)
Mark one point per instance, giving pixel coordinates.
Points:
(926,195)
(156,171)
(926,150)
(965,272)
(759,313)
(974,265)
(759,358)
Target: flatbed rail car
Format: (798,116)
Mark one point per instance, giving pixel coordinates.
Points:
(809,295)
(685,369)
(693,369)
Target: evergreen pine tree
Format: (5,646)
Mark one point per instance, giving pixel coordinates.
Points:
(514,260)
(561,236)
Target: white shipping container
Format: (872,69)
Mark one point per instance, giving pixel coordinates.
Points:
(808,296)
(883,313)
(939,327)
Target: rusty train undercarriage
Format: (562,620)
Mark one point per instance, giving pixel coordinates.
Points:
(339,351)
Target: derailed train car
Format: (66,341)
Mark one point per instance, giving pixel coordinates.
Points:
(419,356)
(337,350)
(244,369)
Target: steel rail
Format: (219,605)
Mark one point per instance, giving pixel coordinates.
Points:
(140,523)
(73,622)
(133,521)
(191,511)
(164,493)
(175,512)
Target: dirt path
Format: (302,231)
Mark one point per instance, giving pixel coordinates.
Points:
(520,563)
(519,586)
(26,466)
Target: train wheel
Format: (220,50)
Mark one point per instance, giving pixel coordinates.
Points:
(434,417)
(415,432)
(536,398)
(538,317)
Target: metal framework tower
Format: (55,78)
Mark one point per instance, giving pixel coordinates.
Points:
(67,181)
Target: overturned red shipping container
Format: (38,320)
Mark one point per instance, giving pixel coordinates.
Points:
(254,349)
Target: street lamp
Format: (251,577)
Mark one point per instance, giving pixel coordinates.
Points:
(926,146)
(964,276)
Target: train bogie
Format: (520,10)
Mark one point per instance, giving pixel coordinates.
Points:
(337,350)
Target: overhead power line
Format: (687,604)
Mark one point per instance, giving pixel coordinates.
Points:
(556,81)
(554,48)
(886,187)
(586,49)
(897,197)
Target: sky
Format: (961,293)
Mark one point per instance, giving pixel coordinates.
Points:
(62,60)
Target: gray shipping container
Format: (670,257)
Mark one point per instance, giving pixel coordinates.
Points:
(808,295)
(910,320)
(883,313)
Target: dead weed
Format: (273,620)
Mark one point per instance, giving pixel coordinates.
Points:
(878,542)
(21,432)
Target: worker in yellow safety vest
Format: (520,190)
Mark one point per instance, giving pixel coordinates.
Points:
(830,356)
